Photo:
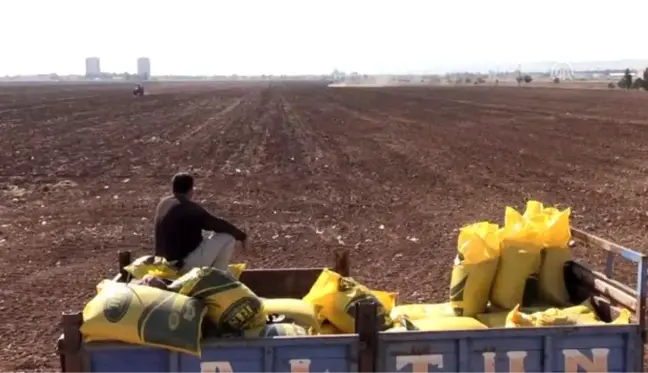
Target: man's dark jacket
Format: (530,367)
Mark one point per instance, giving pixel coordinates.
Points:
(179,223)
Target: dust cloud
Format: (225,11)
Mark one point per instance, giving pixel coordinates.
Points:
(381,81)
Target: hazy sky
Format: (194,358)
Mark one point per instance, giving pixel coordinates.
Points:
(312,36)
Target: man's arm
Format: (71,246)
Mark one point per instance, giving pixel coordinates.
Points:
(210,222)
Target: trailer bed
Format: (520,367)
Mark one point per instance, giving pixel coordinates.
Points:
(602,348)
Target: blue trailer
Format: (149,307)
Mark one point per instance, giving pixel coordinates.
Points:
(609,348)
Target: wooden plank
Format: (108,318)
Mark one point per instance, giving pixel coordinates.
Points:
(290,282)
(601,285)
(124,258)
(70,344)
(280,283)
(366,325)
(342,262)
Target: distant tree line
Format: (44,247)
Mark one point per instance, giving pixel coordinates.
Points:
(627,81)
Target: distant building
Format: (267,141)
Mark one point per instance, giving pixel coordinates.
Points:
(144,68)
(92,67)
(619,75)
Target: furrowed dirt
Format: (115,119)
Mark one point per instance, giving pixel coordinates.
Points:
(391,173)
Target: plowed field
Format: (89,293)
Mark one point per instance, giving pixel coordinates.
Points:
(391,173)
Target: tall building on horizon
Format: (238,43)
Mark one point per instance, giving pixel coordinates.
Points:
(92,67)
(144,68)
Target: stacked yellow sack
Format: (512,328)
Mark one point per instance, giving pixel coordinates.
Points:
(338,297)
(231,306)
(159,267)
(448,323)
(497,319)
(475,268)
(422,311)
(555,230)
(144,315)
(403,323)
(520,259)
(297,311)
(576,315)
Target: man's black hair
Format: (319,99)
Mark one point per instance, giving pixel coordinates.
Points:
(182,183)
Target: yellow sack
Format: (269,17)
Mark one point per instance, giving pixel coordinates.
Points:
(276,330)
(587,311)
(520,258)
(582,312)
(328,281)
(338,297)
(554,224)
(325,284)
(475,268)
(555,230)
(236,269)
(554,316)
(551,277)
(517,319)
(422,311)
(386,298)
(328,329)
(403,323)
(145,316)
(448,323)
(498,319)
(231,305)
(623,319)
(493,320)
(152,265)
(295,311)
(576,315)
(102,284)
(158,266)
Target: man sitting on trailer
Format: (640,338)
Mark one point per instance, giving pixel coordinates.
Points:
(179,223)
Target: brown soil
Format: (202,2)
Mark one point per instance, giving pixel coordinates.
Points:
(390,172)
